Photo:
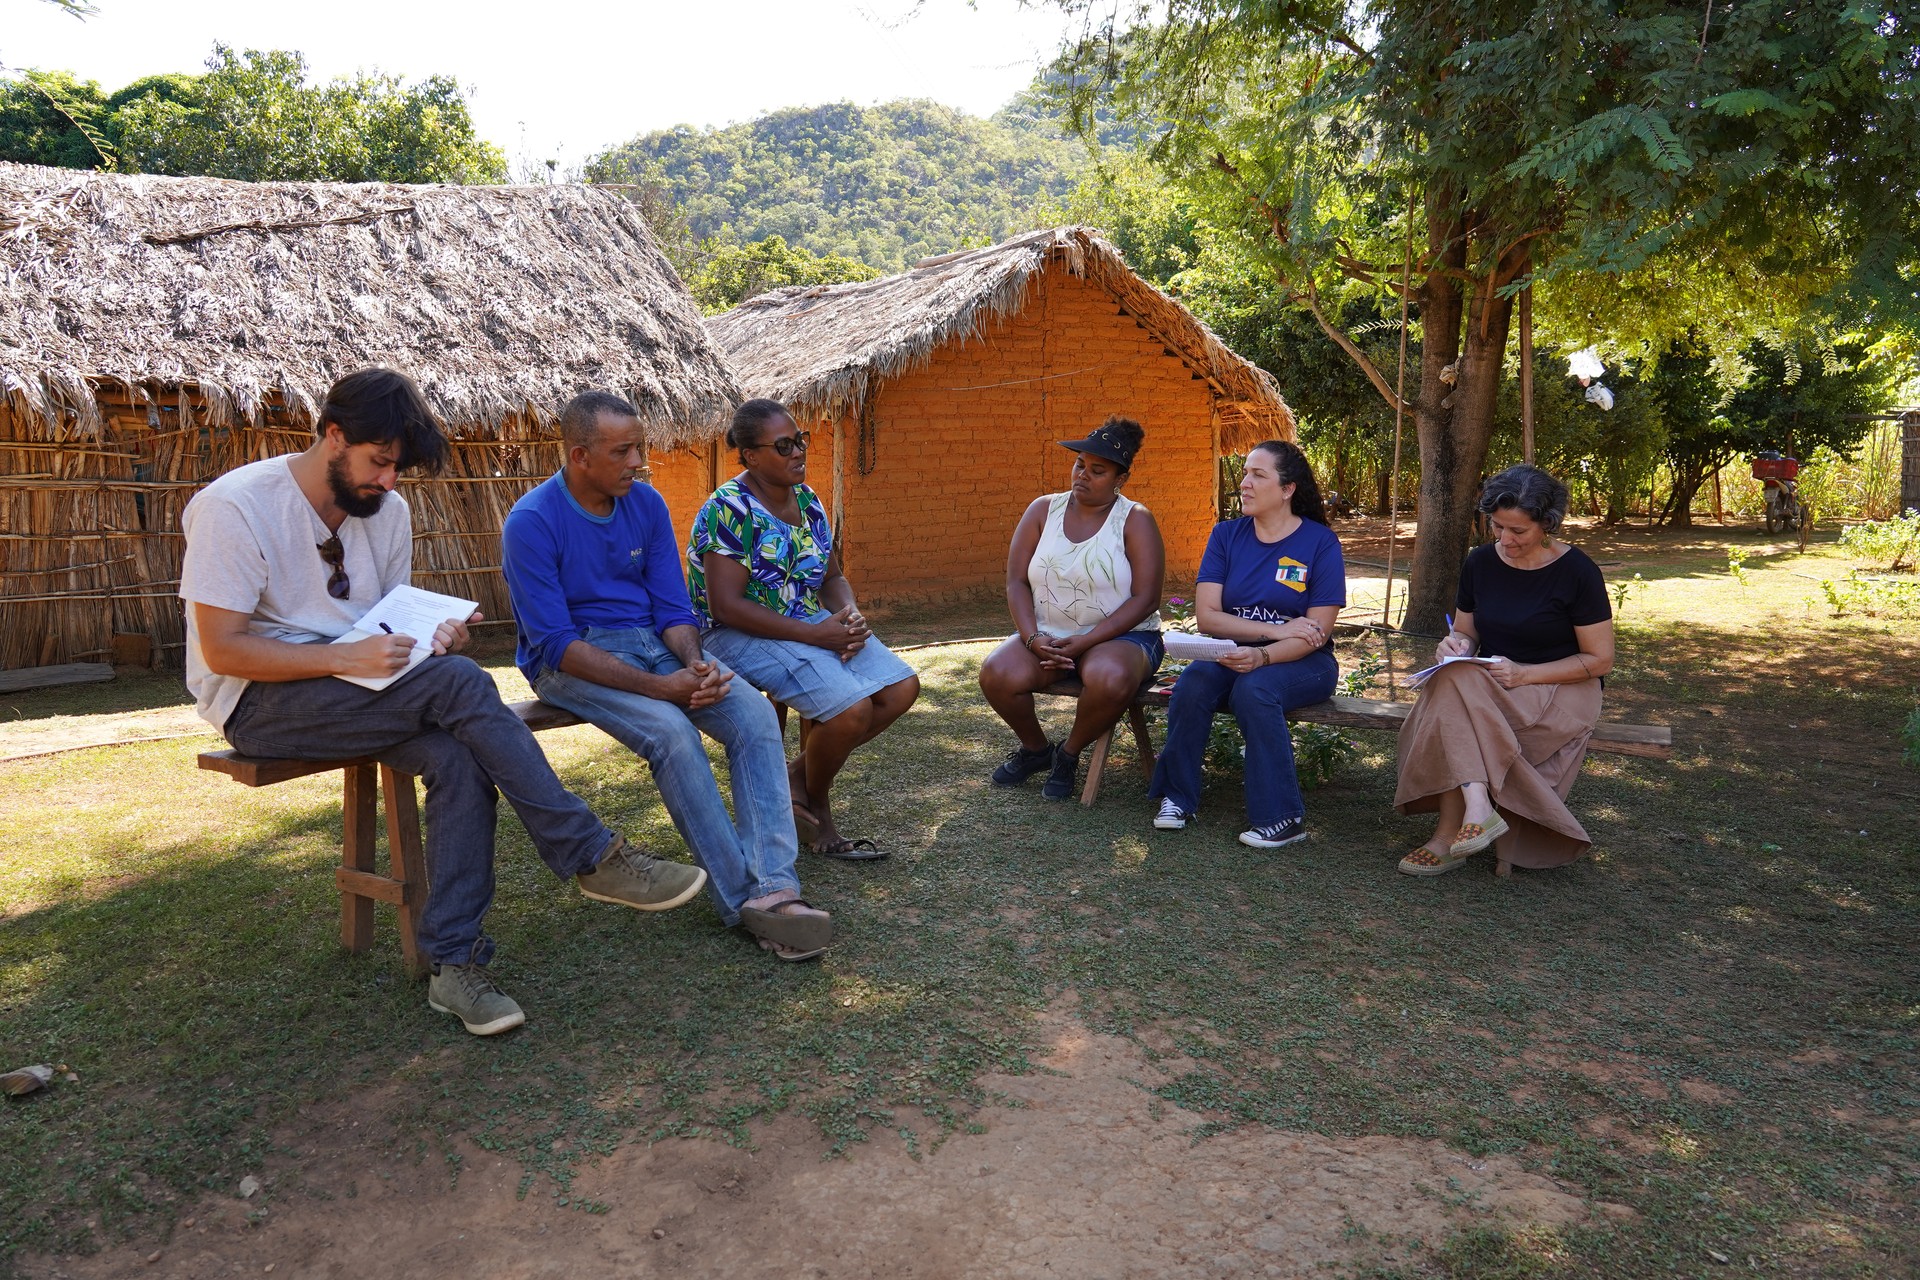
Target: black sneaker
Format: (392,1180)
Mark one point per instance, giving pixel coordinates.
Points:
(1279,833)
(1059,784)
(1022,764)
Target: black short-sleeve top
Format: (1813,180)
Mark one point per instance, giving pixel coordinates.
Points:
(1529,615)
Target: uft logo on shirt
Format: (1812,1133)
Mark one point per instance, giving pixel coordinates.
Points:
(1291,573)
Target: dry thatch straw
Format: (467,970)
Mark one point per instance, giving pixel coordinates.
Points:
(502,302)
(157,332)
(823,349)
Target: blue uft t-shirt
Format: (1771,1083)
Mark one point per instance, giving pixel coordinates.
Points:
(1274,581)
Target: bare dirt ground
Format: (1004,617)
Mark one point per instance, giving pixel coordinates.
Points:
(1081,1173)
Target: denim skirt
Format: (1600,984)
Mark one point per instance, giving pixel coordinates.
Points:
(811,680)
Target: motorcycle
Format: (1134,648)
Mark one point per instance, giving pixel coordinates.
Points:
(1779,475)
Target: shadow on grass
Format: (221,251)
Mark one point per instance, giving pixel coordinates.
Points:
(1711,1020)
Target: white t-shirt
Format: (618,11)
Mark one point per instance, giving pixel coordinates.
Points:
(253,544)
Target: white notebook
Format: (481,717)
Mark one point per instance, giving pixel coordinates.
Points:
(406,611)
(1192,648)
(1419,678)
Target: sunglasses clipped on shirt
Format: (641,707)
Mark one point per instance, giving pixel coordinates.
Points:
(336,555)
(787,446)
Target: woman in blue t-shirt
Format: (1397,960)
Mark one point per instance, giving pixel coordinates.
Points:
(1274,580)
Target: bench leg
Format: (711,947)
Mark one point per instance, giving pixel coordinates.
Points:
(1142,739)
(407,862)
(1095,767)
(356,857)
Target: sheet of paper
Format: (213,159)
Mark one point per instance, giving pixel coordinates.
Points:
(1192,648)
(1419,678)
(407,611)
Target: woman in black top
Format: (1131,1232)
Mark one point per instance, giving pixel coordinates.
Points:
(1494,747)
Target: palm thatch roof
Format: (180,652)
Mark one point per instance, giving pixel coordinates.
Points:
(823,349)
(502,302)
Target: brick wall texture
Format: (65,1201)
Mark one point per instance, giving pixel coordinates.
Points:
(961,446)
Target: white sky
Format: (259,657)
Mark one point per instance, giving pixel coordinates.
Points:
(578,74)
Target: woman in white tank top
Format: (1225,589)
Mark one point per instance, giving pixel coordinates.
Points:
(1083,584)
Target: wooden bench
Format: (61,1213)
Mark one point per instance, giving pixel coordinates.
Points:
(1651,741)
(361,885)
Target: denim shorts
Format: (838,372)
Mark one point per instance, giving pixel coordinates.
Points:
(811,680)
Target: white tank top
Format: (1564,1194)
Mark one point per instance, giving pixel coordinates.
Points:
(1078,585)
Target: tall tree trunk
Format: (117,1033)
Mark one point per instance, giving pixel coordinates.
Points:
(1454,423)
(1684,487)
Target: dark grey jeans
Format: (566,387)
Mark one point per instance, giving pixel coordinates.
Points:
(444,723)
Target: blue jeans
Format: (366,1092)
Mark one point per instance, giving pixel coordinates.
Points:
(746,857)
(1260,701)
(445,724)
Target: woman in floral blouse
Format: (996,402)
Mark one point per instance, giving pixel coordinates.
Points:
(764,574)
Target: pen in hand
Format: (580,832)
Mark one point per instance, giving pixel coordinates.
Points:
(389,630)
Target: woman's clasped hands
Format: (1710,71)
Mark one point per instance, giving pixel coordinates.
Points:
(844,633)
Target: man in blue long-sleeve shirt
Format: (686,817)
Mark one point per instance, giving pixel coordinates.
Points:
(607,632)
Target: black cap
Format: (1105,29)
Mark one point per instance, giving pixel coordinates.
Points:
(1105,442)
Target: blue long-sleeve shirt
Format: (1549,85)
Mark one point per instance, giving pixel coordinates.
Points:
(568,569)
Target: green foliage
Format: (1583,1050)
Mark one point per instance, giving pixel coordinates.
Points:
(732,273)
(1861,485)
(1624,590)
(254,117)
(50,118)
(885,185)
(1794,396)
(1527,144)
(1886,545)
(1872,597)
(1737,565)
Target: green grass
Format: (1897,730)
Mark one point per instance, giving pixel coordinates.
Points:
(1712,1020)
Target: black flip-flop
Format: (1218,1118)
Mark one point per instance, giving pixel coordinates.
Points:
(850,850)
(800,932)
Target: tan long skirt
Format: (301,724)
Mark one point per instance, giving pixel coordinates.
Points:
(1526,744)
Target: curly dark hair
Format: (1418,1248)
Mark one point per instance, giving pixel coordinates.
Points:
(1529,490)
(1293,468)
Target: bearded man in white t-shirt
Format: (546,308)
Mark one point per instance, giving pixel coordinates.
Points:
(284,556)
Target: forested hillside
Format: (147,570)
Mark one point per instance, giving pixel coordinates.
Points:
(887,185)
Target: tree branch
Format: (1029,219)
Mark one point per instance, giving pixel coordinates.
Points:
(1311,295)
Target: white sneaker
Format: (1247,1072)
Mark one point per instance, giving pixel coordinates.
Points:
(1170,818)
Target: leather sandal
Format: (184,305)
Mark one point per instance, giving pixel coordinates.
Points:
(785,929)
(848,850)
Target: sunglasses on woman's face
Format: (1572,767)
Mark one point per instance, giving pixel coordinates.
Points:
(336,555)
(787,446)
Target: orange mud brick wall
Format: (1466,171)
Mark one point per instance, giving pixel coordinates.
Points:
(962,445)
(684,478)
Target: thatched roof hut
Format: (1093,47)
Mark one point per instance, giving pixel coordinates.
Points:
(989,357)
(155,332)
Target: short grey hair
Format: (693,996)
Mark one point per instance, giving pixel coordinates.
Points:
(580,420)
(1527,489)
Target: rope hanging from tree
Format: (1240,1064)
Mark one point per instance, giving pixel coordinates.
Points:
(1399,415)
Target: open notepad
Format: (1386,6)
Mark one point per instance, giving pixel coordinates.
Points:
(1192,648)
(406,611)
(1419,678)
